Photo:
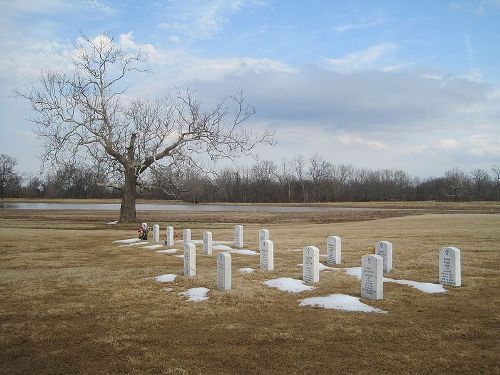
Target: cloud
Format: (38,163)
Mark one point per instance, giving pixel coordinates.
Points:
(361,24)
(361,60)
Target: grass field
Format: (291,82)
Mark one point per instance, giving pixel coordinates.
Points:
(74,302)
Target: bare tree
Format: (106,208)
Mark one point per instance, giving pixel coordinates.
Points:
(457,184)
(8,177)
(85,114)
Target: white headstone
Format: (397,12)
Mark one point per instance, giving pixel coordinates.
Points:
(372,277)
(310,263)
(223,281)
(333,250)
(267,256)
(384,249)
(263,236)
(156,233)
(449,266)
(207,243)
(169,241)
(238,236)
(186,236)
(190,259)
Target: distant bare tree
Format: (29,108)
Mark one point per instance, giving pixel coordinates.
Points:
(496,178)
(456,184)
(85,115)
(9,180)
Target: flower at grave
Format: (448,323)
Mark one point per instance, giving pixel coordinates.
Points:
(176,236)
(370,249)
(143,232)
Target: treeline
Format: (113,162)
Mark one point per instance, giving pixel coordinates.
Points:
(297,180)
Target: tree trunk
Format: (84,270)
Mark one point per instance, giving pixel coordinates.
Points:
(127,209)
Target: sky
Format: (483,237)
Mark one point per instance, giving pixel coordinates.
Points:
(412,85)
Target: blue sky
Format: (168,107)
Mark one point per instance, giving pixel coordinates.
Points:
(413,85)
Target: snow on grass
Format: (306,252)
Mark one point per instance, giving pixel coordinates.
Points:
(134,244)
(167,278)
(322,267)
(287,284)
(222,247)
(340,302)
(113,222)
(423,287)
(179,256)
(243,252)
(167,251)
(166,290)
(223,242)
(130,240)
(246,270)
(196,294)
(152,247)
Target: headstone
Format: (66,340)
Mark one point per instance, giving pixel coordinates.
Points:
(267,256)
(310,264)
(238,236)
(263,236)
(156,233)
(169,241)
(223,281)
(384,249)
(186,236)
(207,243)
(333,250)
(372,277)
(189,259)
(450,272)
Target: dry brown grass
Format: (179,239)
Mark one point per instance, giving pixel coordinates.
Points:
(73,302)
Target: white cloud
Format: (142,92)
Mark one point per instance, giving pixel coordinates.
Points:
(363,59)
(447,143)
(358,25)
(395,68)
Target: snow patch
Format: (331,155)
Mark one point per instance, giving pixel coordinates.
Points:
(167,278)
(222,247)
(287,284)
(243,252)
(179,256)
(322,267)
(340,302)
(113,222)
(353,271)
(246,270)
(196,294)
(152,247)
(167,251)
(166,290)
(423,287)
(130,240)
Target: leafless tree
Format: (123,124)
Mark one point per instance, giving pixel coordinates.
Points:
(85,114)
(8,177)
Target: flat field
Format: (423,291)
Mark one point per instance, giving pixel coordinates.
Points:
(71,301)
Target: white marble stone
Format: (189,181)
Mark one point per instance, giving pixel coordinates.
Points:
(267,256)
(238,236)
(186,236)
(263,236)
(156,233)
(207,243)
(372,277)
(190,259)
(223,279)
(333,250)
(169,241)
(450,272)
(384,249)
(310,269)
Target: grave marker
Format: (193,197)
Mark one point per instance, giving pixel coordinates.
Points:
(207,243)
(263,236)
(238,236)
(372,277)
(223,280)
(267,256)
(384,249)
(450,272)
(186,236)
(156,233)
(310,264)
(189,259)
(333,250)
(169,241)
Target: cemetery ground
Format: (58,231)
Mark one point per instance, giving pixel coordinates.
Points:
(72,301)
